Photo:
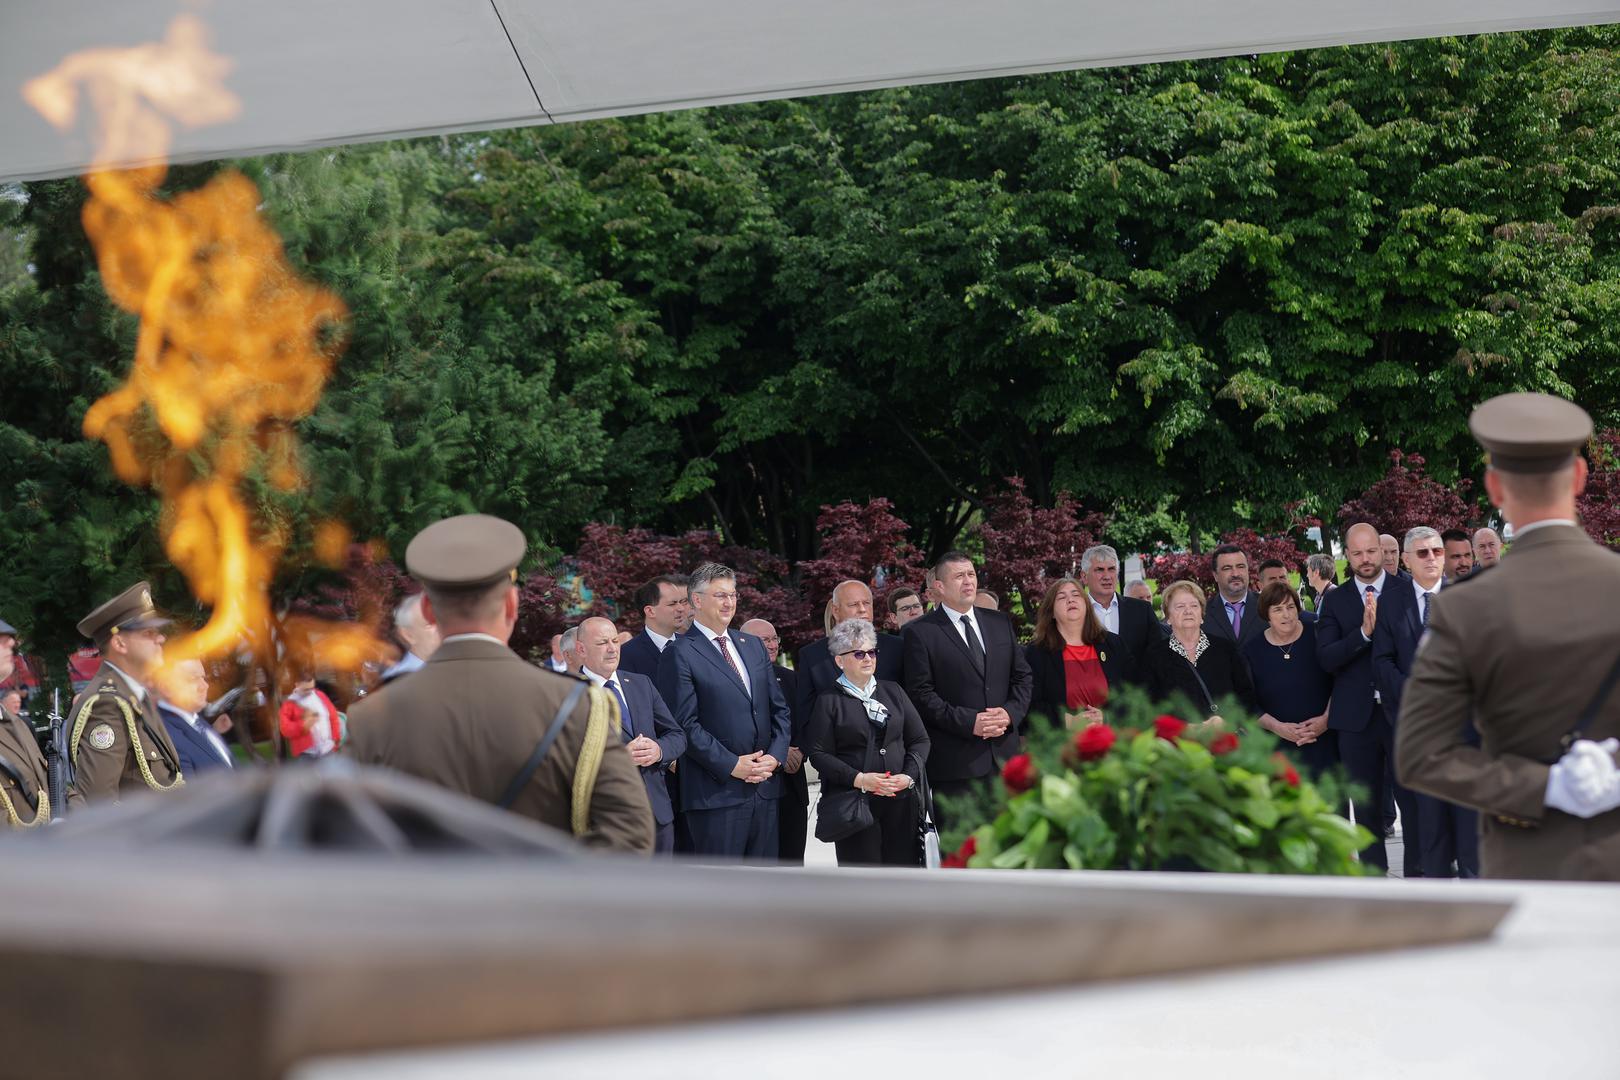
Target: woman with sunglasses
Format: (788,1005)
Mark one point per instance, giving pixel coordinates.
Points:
(865,737)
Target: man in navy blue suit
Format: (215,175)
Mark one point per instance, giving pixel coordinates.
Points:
(724,695)
(1447,834)
(185,692)
(1344,637)
(649,732)
(665,612)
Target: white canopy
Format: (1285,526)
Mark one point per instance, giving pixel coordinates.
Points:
(321,72)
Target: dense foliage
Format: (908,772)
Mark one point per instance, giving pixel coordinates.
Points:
(1191,294)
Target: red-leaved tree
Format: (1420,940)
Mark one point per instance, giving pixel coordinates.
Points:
(1599,505)
(861,543)
(1200,567)
(1407,497)
(1027,547)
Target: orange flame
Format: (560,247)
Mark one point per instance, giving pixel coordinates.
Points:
(233,347)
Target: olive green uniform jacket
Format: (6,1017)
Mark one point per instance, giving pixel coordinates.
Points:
(21,751)
(1520,650)
(114,751)
(468,720)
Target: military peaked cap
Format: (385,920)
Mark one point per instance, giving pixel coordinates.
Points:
(1530,433)
(466,552)
(130,610)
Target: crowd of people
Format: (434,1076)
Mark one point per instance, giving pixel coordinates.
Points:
(691,734)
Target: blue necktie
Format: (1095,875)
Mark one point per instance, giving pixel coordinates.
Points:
(624,710)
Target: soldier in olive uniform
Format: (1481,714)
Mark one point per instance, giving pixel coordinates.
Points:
(23,799)
(474,716)
(1523,652)
(116,738)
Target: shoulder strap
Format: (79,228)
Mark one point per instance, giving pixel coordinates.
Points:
(1209,698)
(516,786)
(1593,707)
(604,716)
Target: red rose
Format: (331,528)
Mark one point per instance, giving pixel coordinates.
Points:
(1018,774)
(1094,741)
(1224,743)
(1285,770)
(1290,776)
(1169,727)
(958,859)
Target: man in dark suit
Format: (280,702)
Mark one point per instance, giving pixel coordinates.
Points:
(665,612)
(184,691)
(793,809)
(650,734)
(1131,619)
(1234,611)
(969,680)
(1447,834)
(850,600)
(1344,636)
(719,684)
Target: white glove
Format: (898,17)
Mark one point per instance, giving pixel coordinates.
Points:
(1585,782)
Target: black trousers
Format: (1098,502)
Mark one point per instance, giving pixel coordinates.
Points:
(892,839)
(1368,756)
(950,789)
(1449,838)
(793,817)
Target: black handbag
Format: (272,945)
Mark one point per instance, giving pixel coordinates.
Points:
(846,811)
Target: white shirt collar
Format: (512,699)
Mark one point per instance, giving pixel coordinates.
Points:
(491,638)
(138,690)
(1519,531)
(1418,590)
(657,639)
(1377,584)
(710,634)
(597,680)
(1113,601)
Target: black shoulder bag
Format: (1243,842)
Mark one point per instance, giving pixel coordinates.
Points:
(846,811)
(515,788)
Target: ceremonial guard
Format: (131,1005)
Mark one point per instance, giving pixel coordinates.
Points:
(478,719)
(116,739)
(23,779)
(1530,655)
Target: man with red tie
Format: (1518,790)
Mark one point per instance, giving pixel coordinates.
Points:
(719,684)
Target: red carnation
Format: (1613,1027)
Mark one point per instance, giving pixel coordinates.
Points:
(1094,741)
(1224,743)
(1018,774)
(1290,776)
(1169,727)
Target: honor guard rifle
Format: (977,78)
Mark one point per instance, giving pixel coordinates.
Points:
(58,770)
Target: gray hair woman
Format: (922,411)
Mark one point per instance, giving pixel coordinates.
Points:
(865,737)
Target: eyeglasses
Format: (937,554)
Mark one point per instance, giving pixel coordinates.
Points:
(861,654)
(1428,553)
(722,597)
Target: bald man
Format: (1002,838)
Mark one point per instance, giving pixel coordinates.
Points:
(1344,632)
(817,672)
(1487,549)
(1390,552)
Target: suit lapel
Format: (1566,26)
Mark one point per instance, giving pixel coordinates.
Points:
(948,620)
(706,648)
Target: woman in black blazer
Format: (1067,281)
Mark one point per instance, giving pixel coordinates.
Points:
(1073,658)
(864,733)
(1190,662)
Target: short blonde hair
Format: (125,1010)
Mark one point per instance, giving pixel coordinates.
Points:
(1168,594)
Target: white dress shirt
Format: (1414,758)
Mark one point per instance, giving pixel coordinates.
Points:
(657,639)
(1378,592)
(1110,614)
(1519,531)
(134,685)
(956,621)
(736,661)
